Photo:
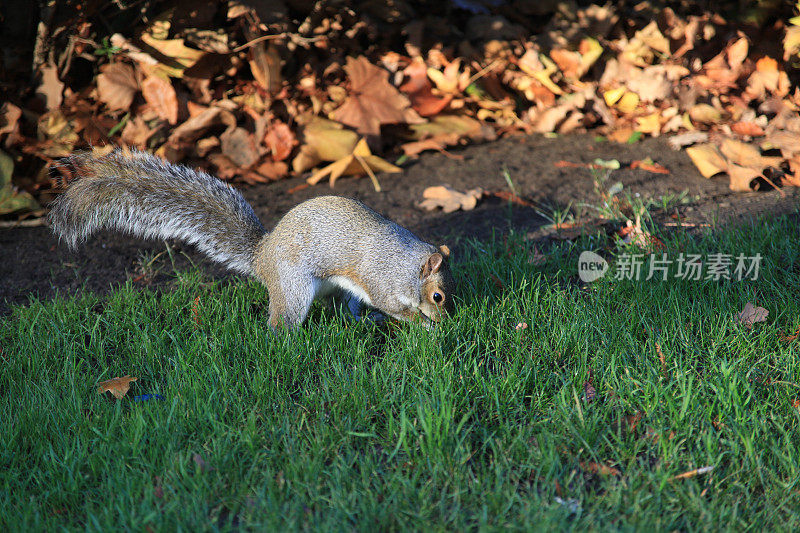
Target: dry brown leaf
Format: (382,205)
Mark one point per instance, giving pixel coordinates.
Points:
(197,125)
(9,117)
(239,146)
(419,90)
(159,93)
(449,199)
(372,100)
(707,159)
(747,128)
(767,79)
(705,114)
(273,170)
(741,153)
(280,140)
(741,177)
(136,132)
(117,386)
(265,64)
(599,468)
(737,52)
(751,315)
(51,87)
(117,85)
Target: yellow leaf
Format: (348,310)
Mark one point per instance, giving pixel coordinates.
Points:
(543,76)
(628,102)
(704,113)
(649,124)
(359,161)
(177,56)
(707,159)
(612,96)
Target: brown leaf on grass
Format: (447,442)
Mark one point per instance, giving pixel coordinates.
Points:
(599,468)
(239,146)
(280,140)
(707,159)
(117,85)
(751,315)
(790,338)
(372,100)
(449,199)
(117,386)
(160,94)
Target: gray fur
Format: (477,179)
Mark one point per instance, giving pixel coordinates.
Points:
(140,194)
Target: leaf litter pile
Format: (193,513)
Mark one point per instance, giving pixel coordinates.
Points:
(258,91)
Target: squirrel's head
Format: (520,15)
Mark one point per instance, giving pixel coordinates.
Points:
(437,285)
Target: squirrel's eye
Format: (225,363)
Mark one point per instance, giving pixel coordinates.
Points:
(437,297)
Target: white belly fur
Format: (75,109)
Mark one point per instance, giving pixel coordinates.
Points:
(325,287)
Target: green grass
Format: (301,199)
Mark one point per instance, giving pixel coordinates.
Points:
(476,424)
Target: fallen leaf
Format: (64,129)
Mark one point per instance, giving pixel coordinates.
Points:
(599,468)
(51,87)
(449,199)
(741,177)
(280,140)
(705,114)
(747,128)
(9,117)
(175,56)
(159,93)
(707,159)
(372,100)
(677,142)
(323,140)
(360,161)
(521,326)
(117,386)
(11,199)
(649,166)
(117,85)
(238,145)
(751,315)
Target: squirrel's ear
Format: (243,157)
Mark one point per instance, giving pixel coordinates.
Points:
(445,251)
(431,265)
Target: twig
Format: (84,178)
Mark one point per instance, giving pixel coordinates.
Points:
(293,36)
(369,172)
(31,223)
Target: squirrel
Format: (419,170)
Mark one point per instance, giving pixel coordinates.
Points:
(321,246)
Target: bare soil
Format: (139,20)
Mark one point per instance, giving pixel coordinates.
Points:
(34,264)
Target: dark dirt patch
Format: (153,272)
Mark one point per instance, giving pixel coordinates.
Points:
(35,264)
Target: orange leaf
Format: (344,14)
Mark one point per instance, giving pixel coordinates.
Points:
(117,386)
(373,100)
(280,141)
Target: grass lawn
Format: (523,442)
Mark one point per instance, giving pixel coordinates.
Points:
(581,420)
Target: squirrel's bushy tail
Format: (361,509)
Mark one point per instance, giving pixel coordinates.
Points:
(140,194)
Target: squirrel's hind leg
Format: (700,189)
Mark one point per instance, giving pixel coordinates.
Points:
(290,307)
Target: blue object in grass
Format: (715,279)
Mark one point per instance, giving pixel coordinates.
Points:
(145,397)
